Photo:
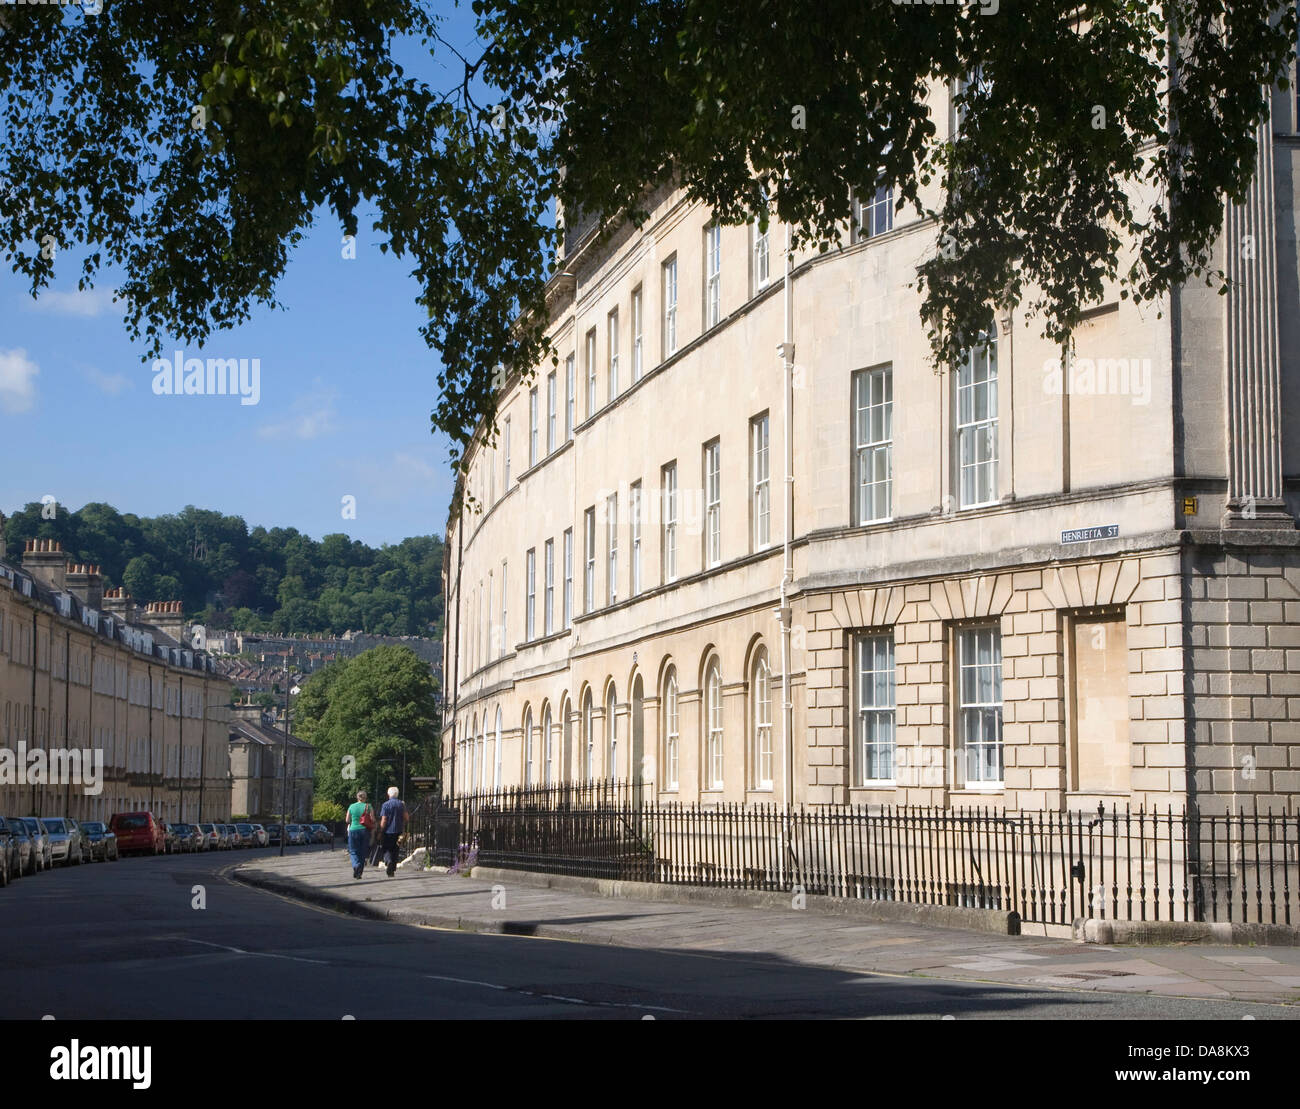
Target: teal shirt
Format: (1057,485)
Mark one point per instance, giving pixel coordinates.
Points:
(354,816)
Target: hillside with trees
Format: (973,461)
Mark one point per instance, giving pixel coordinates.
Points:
(275,580)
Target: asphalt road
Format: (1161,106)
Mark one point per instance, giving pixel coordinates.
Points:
(125,940)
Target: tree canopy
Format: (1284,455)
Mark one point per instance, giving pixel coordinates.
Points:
(380,705)
(257,580)
(193,145)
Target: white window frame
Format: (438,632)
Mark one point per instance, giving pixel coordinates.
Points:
(760,469)
(761,717)
(530,594)
(611,549)
(713,504)
(496,754)
(546,745)
(635,509)
(589,569)
(552,388)
(588,735)
(570,384)
(548,602)
(568,578)
(979,706)
(712,275)
(638,344)
(505,436)
(875,734)
(874,216)
(873,445)
(713,732)
(669,492)
(670,306)
(611,337)
(672,731)
(505,592)
(532,426)
(611,734)
(977,435)
(528,746)
(762,255)
(591,372)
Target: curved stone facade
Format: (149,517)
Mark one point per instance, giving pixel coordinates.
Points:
(1014,583)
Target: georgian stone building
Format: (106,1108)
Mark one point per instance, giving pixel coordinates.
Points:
(1012,583)
(86,672)
(262,787)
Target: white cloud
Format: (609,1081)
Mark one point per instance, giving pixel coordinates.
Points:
(112,384)
(77,302)
(17,381)
(311,415)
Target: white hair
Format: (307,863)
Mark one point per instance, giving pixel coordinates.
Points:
(392,791)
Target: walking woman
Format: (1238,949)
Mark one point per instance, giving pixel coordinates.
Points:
(361,818)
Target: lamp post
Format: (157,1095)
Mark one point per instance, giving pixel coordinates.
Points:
(284,779)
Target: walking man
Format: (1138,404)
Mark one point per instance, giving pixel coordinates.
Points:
(392,819)
(361,818)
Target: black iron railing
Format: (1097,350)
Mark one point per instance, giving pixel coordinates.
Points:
(1049,867)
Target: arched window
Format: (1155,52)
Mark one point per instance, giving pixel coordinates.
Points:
(761,715)
(671,731)
(471,745)
(713,725)
(496,768)
(588,740)
(546,745)
(611,734)
(528,746)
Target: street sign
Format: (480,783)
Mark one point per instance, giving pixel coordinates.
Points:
(1083,535)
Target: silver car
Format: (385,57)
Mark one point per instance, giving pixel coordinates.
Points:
(67,844)
(41,846)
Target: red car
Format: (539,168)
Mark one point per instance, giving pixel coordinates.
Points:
(137,831)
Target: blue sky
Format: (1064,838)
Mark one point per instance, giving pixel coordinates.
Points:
(347,385)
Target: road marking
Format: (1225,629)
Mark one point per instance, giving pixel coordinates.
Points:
(556,996)
(259,954)
(466,982)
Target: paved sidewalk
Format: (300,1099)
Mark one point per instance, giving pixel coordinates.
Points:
(1265,974)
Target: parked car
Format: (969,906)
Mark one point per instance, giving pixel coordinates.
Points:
(236,840)
(8,854)
(67,844)
(24,849)
(321,834)
(247,837)
(103,843)
(273,833)
(171,839)
(138,831)
(40,841)
(187,838)
(298,836)
(226,842)
(213,837)
(259,835)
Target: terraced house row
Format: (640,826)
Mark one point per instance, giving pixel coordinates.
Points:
(1014,583)
(88,673)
